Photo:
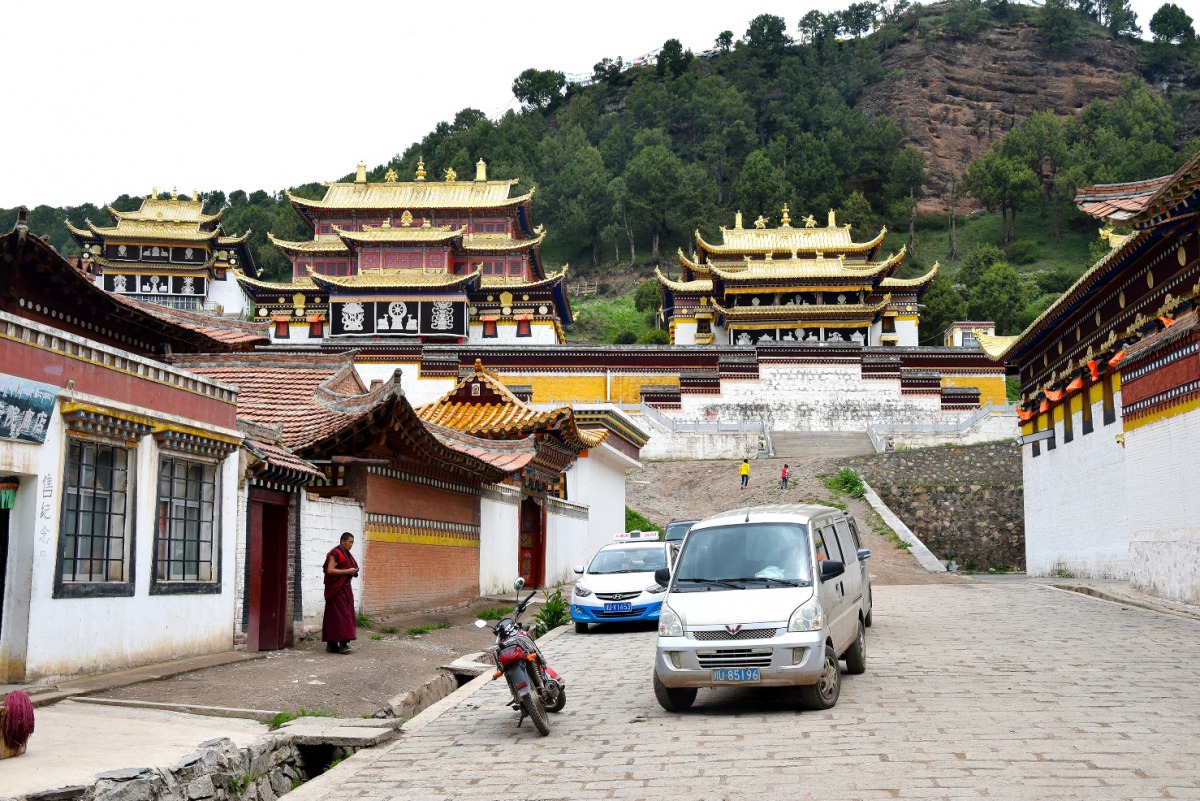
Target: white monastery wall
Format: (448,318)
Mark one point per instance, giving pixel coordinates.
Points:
(499,518)
(125,631)
(685,333)
(567,542)
(506,334)
(26,461)
(989,429)
(322,521)
(1163,497)
(684,446)
(906,330)
(811,398)
(229,295)
(418,391)
(598,482)
(1076,522)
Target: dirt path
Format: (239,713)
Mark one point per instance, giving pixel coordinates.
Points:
(663,491)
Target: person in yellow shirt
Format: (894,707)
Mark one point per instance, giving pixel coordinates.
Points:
(744,471)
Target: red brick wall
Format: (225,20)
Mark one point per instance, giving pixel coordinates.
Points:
(403,577)
(387,496)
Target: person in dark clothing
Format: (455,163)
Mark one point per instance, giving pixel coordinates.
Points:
(338,625)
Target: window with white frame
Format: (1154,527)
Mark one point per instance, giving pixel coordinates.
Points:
(185,547)
(96,532)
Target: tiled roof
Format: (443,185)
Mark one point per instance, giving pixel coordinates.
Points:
(918,282)
(399,235)
(801,268)
(415,195)
(277,463)
(1118,201)
(496,242)
(219,329)
(507,455)
(397,278)
(517,282)
(290,286)
(325,243)
(804,312)
(830,240)
(156,208)
(704,285)
(154,230)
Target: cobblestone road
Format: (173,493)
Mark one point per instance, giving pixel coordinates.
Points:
(1008,691)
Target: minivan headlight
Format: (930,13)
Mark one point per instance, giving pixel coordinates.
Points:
(669,624)
(809,616)
(582,591)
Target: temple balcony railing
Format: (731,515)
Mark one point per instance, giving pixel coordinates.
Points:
(879,432)
(182,302)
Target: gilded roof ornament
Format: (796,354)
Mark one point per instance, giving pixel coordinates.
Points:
(420,168)
(481,170)
(785,221)
(761,222)
(451,175)
(737,220)
(391,176)
(406,218)
(810,221)
(174,193)
(832,219)
(154,193)
(360,174)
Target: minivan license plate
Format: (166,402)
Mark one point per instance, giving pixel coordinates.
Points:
(735,674)
(625,607)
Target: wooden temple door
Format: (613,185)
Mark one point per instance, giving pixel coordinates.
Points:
(531,543)
(266,591)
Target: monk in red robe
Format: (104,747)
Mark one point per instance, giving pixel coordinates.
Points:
(337,629)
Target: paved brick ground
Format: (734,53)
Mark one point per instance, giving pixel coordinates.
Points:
(1008,691)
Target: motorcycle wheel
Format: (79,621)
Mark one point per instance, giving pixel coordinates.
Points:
(533,708)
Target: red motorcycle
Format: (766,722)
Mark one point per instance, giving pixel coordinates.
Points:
(536,688)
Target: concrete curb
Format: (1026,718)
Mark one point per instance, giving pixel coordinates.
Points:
(261,715)
(1131,598)
(917,548)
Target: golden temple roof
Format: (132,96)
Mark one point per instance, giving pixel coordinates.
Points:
(415,195)
(323,243)
(378,234)
(692,264)
(225,241)
(156,209)
(493,242)
(994,347)
(292,286)
(395,278)
(914,283)
(153,231)
(800,268)
(830,240)
(517,282)
(801,311)
(704,286)
(155,266)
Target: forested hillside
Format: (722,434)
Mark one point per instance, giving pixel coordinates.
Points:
(963,126)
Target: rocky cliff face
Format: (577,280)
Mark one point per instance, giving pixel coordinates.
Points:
(954,99)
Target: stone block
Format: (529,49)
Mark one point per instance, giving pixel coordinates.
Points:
(200,787)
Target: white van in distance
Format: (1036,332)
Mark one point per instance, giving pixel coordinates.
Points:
(769,596)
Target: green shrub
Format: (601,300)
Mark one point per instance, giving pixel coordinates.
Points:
(365,622)
(626,337)
(389,630)
(495,612)
(417,631)
(846,482)
(636,522)
(655,336)
(555,612)
(1024,251)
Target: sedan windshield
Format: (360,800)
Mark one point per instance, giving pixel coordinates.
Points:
(760,555)
(628,560)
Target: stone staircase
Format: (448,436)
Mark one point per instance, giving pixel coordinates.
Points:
(836,444)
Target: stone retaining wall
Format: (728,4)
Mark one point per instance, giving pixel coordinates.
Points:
(965,503)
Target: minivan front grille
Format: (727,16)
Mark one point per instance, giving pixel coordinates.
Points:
(741,634)
(735,658)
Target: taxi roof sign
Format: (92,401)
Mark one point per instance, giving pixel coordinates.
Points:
(633,536)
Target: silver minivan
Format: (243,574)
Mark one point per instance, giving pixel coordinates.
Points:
(768,596)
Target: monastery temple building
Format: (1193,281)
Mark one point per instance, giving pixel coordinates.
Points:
(785,284)
(440,261)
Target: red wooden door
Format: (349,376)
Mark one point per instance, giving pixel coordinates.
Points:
(266,628)
(531,544)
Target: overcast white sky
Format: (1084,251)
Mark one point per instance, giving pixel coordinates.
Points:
(115,97)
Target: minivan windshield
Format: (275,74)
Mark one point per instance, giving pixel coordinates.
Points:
(751,555)
(675,531)
(628,560)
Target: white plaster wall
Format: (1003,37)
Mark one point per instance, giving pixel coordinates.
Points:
(229,294)
(240,554)
(1076,515)
(23,460)
(682,446)
(419,391)
(126,631)
(506,334)
(567,544)
(988,429)
(498,541)
(322,521)
(685,333)
(907,331)
(598,482)
(1163,498)
(811,398)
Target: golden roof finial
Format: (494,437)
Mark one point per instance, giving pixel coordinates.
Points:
(785,221)
(195,195)
(479,365)
(481,170)
(832,219)
(406,218)
(761,222)
(174,193)
(420,168)
(154,193)
(451,175)
(391,176)
(360,175)
(810,221)
(737,220)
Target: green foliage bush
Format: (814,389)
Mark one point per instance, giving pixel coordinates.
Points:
(1023,251)
(555,612)
(626,337)
(655,336)
(636,522)
(846,482)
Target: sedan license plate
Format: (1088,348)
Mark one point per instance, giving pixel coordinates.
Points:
(735,675)
(622,607)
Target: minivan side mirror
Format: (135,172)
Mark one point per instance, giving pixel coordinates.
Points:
(831,569)
(662,576)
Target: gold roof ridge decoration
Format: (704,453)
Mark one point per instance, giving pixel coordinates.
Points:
(395,278)
(418,194)
(799,267)
(811,310)
(257,283)
(762,240)
(696,285)
(323,243)
(921,280)
(381,233)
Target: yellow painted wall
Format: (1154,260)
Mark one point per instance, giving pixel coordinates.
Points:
(588,388)
(991,388)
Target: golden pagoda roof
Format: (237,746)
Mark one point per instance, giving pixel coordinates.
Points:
(153,231)
(825,310)
(994,347)
(323,243)
(415,195)
(703,285)
(800,268)
(830,240)
(295,284)
(517,282)
(499,242)
(912,283)
(380,234)
(155,266)
(691,264)
(225,241)
(156,209)
(499,413)
(401,278)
